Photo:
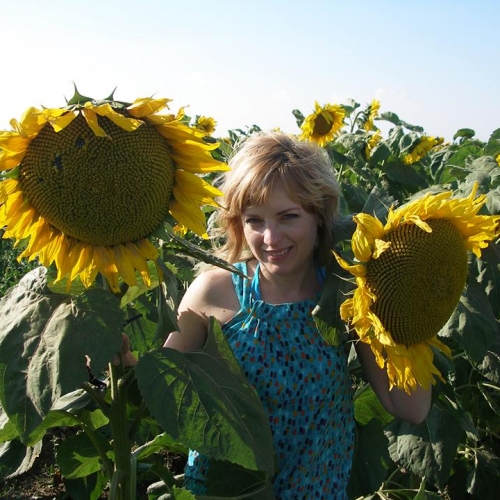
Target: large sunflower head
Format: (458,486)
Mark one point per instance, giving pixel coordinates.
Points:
(88,184)
(410,275)
(323,124)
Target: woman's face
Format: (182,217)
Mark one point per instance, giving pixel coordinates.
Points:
(280,233)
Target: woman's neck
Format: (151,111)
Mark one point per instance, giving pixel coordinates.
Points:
(296,287)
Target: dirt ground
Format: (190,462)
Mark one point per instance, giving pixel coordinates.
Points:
(44,482)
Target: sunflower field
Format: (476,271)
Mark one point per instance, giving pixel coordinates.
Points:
(104,210)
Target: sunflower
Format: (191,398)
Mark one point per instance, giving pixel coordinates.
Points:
(374,139)
(425,144)
(371,114)
(322,125)
(206,124)
(410,276)
(89,183)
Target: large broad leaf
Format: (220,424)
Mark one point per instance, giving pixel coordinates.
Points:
(473,324)
(367,406)
(370,459)
(203,401)
(428,449)
(16,459)
(326,314)
(490,367)
(493,146)
(487,272)
(378,203)
(227,479)
(44,338)
(86,488)
(405,175)
(78,457)
(484,482)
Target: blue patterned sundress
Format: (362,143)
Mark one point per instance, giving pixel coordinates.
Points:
(303,384)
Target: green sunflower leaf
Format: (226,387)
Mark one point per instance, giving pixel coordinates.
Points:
(326,313)
(44,339)
(16,458)
(473,324)
(428,449)
(493,146)
(78,457)
(371,455)
(203,401)
(466,133)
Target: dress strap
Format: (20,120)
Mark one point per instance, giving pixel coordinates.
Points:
(255,285)
(242,285)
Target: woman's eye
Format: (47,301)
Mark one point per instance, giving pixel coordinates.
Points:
(290,216)
(252,221)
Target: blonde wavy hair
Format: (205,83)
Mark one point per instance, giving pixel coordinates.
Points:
(257,164)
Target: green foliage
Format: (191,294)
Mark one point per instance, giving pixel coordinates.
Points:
(11,270)
(221,414)
(127,417)
(459,441)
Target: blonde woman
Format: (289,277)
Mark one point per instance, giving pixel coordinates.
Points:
(279,210)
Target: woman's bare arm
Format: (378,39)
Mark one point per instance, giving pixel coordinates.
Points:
(411,408)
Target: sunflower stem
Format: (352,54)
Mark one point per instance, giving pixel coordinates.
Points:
(122,475)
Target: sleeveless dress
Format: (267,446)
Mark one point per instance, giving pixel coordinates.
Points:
(303,384)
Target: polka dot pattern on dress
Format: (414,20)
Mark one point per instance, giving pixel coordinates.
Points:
(304,385)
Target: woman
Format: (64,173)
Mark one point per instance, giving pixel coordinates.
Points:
(278,217)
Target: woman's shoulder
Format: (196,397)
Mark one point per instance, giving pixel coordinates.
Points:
(211,294)
(213,276)
(218,276)
(212,287)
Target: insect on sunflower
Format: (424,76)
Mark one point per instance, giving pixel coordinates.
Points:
(88,184)
(410,275)
(323,124)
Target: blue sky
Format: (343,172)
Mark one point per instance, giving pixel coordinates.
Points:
(434,63)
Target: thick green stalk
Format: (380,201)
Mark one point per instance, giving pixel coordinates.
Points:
(121,481)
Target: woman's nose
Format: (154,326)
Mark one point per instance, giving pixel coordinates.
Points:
(271,235)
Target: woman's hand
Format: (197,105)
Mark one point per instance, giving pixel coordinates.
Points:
(127,358)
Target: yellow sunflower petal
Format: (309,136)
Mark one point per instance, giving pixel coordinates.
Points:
(10,160)
(105,262)
(370,224)
(190,216)
(60,122)
(30,124)
(139,263)
(147,249)
(379,247)
(356,270)
(125,264)
(147,106)
(126,123)
(13,142)
(93,123)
